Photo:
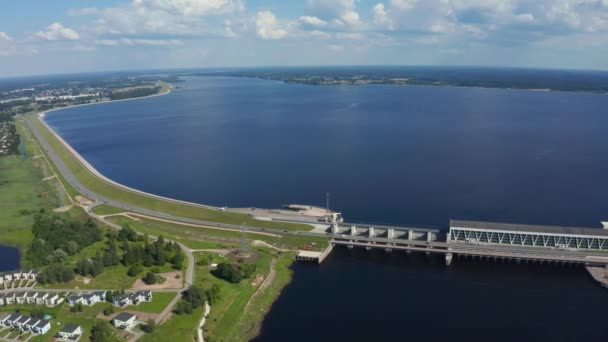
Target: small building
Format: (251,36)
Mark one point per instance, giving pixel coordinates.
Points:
(124,320)
(30,297)
(32,275)
(88,298)
(29,326)
(9,298)
(42,327)
(132,298)
(53,299)
(20,323)
(3,317)
(8,278)
(20,297)
(10,321)
(70,332)
(1,300)
(41,298)
(17,275)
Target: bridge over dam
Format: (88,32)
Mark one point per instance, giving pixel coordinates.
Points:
(480,240)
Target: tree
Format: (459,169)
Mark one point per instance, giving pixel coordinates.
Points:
(102,332)
(183,307)
(150,326)
(134,270)
(195,296)
(109,310)
(72,247)
(150,278)
(213,294)
(37,313)
(228,272)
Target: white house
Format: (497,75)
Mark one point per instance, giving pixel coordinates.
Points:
(53,299)
(1,300)
(132,298)
(42,327)
(3,318)
(124,320)
(10,321)
(88,298)
(20,297)
(70,332)
(9,298)
(29,326)
(41,298)
(30,297)
(8,278)
(20,323)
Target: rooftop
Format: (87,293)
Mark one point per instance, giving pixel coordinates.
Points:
(69,328)
(124,316)
(529,228)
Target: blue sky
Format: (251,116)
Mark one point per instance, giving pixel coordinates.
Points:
(41,37)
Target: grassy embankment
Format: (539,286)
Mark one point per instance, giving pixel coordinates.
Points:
(22,192)
(206,238)
(174,208)
(236,316)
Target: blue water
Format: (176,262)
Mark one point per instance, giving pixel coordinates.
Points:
(417,155)
(387,154)
(9,258)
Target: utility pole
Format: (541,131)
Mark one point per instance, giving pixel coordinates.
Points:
(244,250)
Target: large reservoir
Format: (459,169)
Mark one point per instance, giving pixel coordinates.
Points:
(387,154)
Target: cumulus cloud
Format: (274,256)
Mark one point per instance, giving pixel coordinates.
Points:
(339,12)
(191,7)
(56,31)
(403,5)
(312,21)
(381,17)
(4,36)
(268,27)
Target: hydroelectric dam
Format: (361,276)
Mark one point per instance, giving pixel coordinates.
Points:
(481,240)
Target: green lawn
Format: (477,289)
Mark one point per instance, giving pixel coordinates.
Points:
(207,238)
(174,208)
(180,328)
(21,187)
(159,302)
(105,209)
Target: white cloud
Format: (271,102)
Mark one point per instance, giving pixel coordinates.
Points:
(351,18)
(381,17)
(4,36)
(56,31)
(315,21)
(191,7)
(268,27)
(132,42)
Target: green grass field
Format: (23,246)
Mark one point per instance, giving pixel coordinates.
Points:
(21,188)
(174,208)
(159,302)
(207,238)
(180,328)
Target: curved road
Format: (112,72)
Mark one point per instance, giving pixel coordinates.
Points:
(99,199)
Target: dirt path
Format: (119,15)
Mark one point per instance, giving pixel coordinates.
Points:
(264,285)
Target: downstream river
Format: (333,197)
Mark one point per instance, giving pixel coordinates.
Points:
(387,154)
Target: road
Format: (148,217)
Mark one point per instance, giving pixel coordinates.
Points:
(86,192)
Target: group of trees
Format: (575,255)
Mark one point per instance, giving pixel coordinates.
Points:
(56,273)
(195,297)
(234,273)
(148,254)
(102,332)
(135,92)
(57,236)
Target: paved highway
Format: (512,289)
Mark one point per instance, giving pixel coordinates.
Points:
(75,183)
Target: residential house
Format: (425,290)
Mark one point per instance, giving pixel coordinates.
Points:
(9,298)
(70,332)
(3,317)
(88,298)
(41,298)
(132,298)
(29,326)
(1,299)
(20,297)
(41,327)
(124,320)
(30,297)
(10,321)
(53,299)
(20,323)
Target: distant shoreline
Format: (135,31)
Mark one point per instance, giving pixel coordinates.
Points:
(42,114)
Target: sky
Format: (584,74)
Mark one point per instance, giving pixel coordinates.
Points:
(64,36)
